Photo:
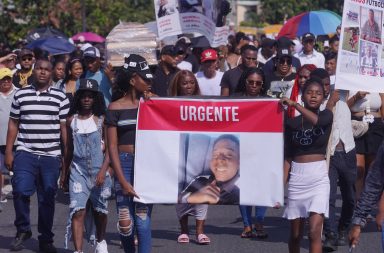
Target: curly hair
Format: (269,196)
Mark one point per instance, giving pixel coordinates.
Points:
(174,87)
(98,107)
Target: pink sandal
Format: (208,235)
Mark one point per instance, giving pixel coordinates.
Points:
(202,239)
(183,238)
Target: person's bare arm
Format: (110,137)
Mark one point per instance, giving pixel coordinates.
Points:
(13,129)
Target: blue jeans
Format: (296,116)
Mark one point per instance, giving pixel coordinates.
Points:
(382,236)
(246,214)
(35,173)
(342,171)
(140,214)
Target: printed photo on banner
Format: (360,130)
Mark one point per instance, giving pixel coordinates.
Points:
(369,55)
(351,39)
(209,169)
(371,23)
(165,7)
(348,63)
(204,17)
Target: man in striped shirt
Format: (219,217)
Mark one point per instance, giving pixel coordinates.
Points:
(37,119)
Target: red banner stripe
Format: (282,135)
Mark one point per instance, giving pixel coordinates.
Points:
(211,115)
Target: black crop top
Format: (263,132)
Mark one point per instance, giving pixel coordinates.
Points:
(301,138)
(125,121)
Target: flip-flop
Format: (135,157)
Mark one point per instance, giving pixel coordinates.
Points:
(202,239)
(183,238)
(246,234)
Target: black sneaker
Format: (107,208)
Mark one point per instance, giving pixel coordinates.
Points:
(329,243)
(342,238)
(47,247)
(17,243)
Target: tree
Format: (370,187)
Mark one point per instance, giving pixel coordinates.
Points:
(276,11)
(20,16)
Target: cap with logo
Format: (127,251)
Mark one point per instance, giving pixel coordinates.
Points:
(284,52)
(5,72)
(308,37)
(208,55)
(137,64)
(88,85)
(91,52)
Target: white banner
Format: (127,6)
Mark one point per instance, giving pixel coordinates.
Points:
(360,64)
(176,17)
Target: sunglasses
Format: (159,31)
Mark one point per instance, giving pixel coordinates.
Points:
(27,59)
(285,61)
(250,59)
(257,83)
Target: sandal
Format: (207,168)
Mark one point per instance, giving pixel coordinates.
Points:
(260,232)
(183,238)
(246,234)
(202,239)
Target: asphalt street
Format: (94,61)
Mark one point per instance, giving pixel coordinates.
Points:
(223,226)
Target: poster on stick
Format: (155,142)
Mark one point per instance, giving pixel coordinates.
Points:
(206,17)
(215,151)
(360,64)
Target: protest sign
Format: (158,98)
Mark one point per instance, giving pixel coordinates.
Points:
(217,151)
(175,17)
(360,64)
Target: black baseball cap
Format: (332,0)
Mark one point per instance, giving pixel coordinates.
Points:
(283,52)
(135,63)
(88,85)
(307,37)
(284,42)
(168,50)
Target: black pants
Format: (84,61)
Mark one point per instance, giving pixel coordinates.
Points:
(342,171)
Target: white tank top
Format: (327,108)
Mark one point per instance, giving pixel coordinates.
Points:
(84,126)
(371,100)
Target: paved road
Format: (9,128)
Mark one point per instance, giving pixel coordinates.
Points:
(223,226)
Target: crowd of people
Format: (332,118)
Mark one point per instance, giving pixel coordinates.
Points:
(69,121)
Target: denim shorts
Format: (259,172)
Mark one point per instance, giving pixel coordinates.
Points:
(83,187)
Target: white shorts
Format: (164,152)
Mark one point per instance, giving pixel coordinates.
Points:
(308,190)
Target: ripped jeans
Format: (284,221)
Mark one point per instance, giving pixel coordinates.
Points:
(139,214)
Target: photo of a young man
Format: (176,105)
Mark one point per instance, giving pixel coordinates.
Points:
(221,185)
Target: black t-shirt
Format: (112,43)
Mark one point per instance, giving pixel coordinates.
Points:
(125,122)
(16,80)
(161,82)
(231,78)
(302,138)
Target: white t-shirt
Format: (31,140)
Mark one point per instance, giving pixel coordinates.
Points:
(209,87)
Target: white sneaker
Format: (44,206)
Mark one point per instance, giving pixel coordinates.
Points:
(101,247)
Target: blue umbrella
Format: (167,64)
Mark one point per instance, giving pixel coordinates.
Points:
(317,22)
(54,45)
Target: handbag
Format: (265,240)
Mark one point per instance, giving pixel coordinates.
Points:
(359,128)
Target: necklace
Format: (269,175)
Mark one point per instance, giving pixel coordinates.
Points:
(24,78)
(302,121)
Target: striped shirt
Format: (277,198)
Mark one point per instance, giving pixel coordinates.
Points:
(39,115)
